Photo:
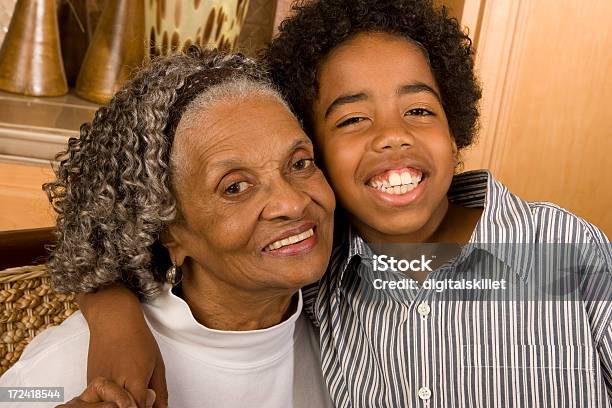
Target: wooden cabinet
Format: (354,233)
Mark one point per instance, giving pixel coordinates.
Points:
(23,204)
(546,70)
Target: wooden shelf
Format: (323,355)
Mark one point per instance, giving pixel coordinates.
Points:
(32,131)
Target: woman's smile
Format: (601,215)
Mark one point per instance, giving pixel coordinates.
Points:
(294,242)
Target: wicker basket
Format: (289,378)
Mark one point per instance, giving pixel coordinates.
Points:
(29,306)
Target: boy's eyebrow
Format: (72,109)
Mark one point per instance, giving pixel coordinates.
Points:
(418,87)
(341,100)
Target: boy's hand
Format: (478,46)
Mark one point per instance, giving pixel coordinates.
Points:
(136,365)
(103,393)
(121,346)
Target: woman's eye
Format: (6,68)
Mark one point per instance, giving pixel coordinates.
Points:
(351,121)
(419,112)
(237,188)
(302,164)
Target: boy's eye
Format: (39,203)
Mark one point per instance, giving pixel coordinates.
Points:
(302,164)
(351,121)
(419,112)
(237,188)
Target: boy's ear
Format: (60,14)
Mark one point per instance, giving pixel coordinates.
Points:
(455,148)
(457,157)
(169,238)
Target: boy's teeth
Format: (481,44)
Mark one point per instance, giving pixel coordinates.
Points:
(396,182)
(406,178)
(290,240)
(395,179)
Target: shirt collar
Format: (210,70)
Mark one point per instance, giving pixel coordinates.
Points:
(506,228)
(169,315)
(505,222)
(357,246)
(352,248)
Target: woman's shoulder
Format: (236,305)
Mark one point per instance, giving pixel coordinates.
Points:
(54,340)
(55,357)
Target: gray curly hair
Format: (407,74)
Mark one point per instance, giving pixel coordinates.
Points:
(114,190)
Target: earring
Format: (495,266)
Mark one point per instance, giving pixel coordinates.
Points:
(174,275)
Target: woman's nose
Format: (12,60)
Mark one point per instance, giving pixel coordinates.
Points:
(286,201)
(392,136)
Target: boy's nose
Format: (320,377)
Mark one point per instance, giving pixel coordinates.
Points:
(285,201)
(391,138)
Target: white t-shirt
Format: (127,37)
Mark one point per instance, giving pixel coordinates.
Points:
(275,367)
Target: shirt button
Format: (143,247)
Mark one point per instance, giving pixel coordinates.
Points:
(424,309)
(424,393)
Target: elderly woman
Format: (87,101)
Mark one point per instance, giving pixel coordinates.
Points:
(198,175)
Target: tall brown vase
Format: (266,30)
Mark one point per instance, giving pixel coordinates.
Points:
(30,57)
(72,19)
(115,52)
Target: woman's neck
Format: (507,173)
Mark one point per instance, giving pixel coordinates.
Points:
(220,306)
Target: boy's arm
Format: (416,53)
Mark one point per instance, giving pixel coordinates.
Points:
(604,349)
(121,346)
(600,301)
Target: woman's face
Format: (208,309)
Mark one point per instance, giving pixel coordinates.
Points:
(258,214)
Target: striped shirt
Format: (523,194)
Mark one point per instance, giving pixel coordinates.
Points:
(389,348)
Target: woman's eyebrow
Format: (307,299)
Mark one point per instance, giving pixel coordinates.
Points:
(228,163)
(237,162)
(342,100)
(418,87)
(297,144)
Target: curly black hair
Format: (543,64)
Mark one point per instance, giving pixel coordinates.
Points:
(317,27)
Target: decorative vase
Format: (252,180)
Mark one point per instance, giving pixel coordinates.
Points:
(172,25)
(6,12)
(116,50)
(72,19)
(94,9)
(30,57)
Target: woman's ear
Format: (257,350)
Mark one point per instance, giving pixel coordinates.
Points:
(170,239)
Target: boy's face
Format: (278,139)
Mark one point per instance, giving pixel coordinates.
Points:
(384,137)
